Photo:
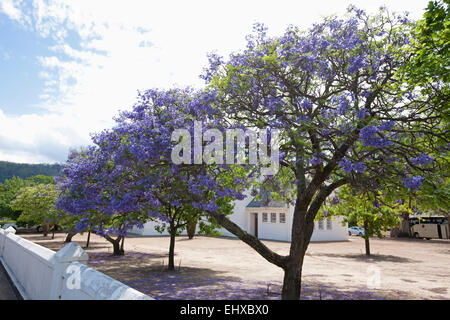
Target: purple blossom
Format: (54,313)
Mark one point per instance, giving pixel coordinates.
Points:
(362,114)
(346,165)
(307,105)
(422,159)
(317,159)
(371,136)
(413,183)
(359,167)
(386,126)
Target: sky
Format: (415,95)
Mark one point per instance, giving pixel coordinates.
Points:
(68,67)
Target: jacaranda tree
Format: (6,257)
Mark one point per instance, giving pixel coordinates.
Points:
(89,191)
(141,144)
(128,176)
(346,115)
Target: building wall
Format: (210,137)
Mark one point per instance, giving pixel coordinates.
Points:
(271,230)
(243,217)
(338,231)
(149,230)
(240,219)
(237,217)
(282,231)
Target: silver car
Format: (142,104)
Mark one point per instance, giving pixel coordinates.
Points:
(359,231)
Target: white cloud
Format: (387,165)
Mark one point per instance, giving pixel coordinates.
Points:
(130,45)
(11,9)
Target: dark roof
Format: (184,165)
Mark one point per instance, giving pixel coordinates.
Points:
(265,202)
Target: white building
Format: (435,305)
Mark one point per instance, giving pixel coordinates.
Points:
(269,221)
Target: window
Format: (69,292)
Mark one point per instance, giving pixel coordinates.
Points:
(329,224)
(273,217)
(264,217)
(282,217)
(321,225)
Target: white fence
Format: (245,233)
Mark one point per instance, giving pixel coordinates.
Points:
(42,274)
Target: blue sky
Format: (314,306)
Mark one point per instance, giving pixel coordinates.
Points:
(21,85)
(68,67)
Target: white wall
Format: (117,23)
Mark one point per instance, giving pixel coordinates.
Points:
(272,230)
(338,232)
(243,217)
(149,230)
(95,286)
(40,273)
(238,216)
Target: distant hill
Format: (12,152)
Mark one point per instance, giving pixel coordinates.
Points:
(25,170)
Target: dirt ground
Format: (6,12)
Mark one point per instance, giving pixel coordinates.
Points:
(224,268)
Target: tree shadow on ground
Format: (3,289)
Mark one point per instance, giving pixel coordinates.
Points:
(147,273)
(181,239)
(363,257)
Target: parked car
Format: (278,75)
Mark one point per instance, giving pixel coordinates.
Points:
(14,225)
(20,226)
(50,227)
(359,231)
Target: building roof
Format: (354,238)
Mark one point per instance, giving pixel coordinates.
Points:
(265,201)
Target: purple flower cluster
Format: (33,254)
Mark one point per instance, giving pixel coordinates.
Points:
(413,182)
(348,166)
(372,136)
(317,158)
(422,159)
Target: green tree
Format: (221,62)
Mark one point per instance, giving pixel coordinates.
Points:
(430,45)
(37,205)
(8,192)
(373,214)
(10,189)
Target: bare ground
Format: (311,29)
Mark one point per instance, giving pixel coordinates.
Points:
(223,268)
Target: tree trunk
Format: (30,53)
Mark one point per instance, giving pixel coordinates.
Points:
(301,233)
(69,237)
(53,233)
(122,244)
(367,244)
(366,238)
(405,231)
(292,280)
(88,239)
(116,245)
(45,229)
(117,250)
(172,249)
(190,228)
(394,232)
